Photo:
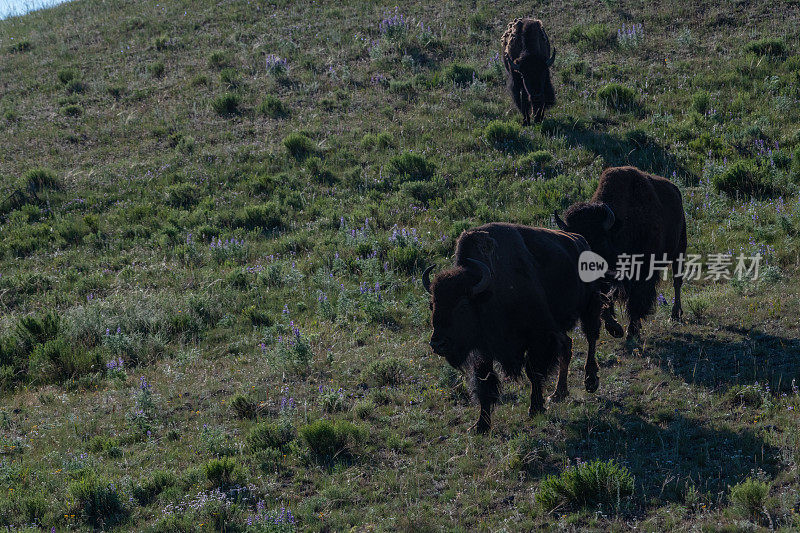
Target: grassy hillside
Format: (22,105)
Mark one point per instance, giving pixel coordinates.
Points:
(215,216)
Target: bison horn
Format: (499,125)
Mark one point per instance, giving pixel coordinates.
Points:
(426,279)
(560,223)
(552,59)
(610,218)
(486,277)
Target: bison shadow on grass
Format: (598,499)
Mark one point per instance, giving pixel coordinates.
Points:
(635,148)
(666,455)
(730,356)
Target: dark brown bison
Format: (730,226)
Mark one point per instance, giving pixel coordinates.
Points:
(527,58)
(633,212)
(511,298)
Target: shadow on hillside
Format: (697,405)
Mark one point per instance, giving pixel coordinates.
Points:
(633,148)
(732,357)
(667,457)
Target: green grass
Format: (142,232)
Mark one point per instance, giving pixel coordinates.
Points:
(214,219)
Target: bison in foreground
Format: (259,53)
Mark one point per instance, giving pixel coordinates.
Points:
(633,212)
(511,297)
(527,59)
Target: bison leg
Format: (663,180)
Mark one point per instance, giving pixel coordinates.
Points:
(528,99)
(539,114)
(486,387)
(590,323)
(677,275)
(640,302)
(564,347)
(677,282)
(537,399)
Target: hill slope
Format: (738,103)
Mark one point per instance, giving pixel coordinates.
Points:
(214,218)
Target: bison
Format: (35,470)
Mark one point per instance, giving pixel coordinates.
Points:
(527,59)
(511,297)
(633,212)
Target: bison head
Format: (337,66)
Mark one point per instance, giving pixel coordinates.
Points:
(594,221)
(455,321)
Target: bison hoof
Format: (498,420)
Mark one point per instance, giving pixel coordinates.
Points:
(614,329)
(591,382)
(534,410)
(558,395)
(481,427)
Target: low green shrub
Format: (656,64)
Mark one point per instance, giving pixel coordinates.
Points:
(37,180)
(99,501)
(273,107)
(767,47)
(410,166)
(701,101)
(458,73)
(226,104)
(591,37)
(388,371)
(504,135)
(618,97)
(299,146)
(328,441)
(749,498)
(597,483)
(148,489)
(223,472)
(275,435)
(742,178)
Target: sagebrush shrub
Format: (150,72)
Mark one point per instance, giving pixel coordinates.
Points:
(503,135)
(586,485)
(767,47)
(156,69)
(742,178)
(592,37)
(31,330)
(256,316)
(618,97)
(273,107)
(229,77)
(243,407)
(226,104)
(318,172)
(275,435)
(75,87)
(423,191)
(72,110)
(299,146)
(459,73)
(330,440)
(388,371)
(265,216)
(181,195)
(67,75)
(218,60)
(100,502)
(700,101)
(39,179)
(409,166)
(149,488)
(749,497)
(223,473)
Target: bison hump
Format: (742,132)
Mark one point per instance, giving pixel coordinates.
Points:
(525,34)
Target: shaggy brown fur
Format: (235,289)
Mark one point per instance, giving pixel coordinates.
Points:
(648,218)
(527,58)
(511,298)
